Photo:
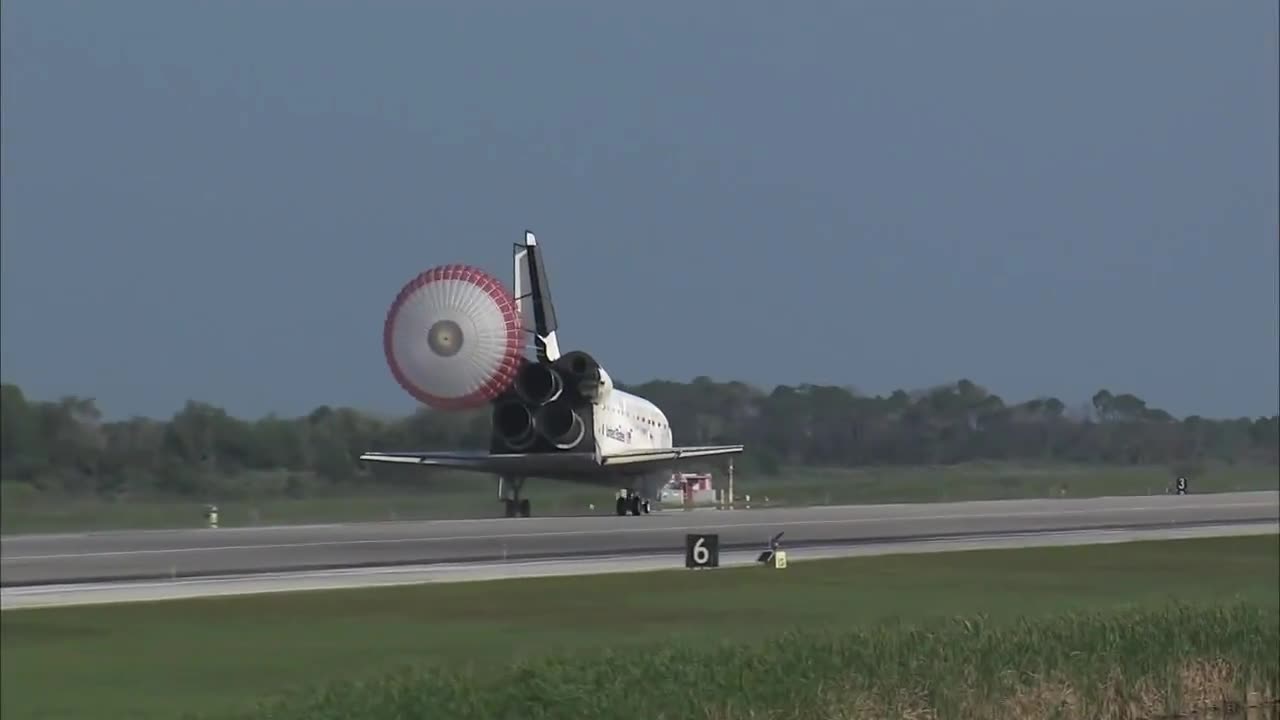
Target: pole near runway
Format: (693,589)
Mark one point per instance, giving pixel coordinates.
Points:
(731,483)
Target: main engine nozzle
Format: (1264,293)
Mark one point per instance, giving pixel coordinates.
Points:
(453,338)
(514,423)
(561,425)
(539,383)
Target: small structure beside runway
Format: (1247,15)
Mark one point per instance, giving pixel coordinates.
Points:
(689,490)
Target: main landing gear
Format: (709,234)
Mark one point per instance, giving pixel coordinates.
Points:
(514,505)
(631,503)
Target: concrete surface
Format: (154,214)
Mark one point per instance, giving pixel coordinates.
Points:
(40,596)
(171,554)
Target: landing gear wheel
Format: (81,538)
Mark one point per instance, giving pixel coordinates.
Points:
(524,508)
(622,507)
(634,503)
(510,507)
(645,507)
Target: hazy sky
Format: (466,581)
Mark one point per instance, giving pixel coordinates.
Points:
(219,200)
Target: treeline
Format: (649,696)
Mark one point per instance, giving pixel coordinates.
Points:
(65,446)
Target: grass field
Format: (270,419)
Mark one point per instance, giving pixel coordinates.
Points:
(1145,663)
(224,655)
(453,495)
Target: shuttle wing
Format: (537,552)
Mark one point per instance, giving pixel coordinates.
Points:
(497,463)
(666,455)
(532,464)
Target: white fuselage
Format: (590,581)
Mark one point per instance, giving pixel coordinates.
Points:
(629,422)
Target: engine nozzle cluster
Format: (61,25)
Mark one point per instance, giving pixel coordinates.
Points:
(544,404)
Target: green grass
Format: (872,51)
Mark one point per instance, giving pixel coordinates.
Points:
(1139,663)
(450,495)
(157,660)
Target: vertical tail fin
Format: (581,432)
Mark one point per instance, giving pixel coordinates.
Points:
(530,281)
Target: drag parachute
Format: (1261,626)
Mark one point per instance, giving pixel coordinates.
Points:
(453,337)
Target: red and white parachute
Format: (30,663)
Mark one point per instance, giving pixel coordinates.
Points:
(453,338)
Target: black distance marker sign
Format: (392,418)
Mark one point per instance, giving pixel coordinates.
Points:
(701,551)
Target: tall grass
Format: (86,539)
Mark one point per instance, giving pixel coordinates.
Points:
(1130,664)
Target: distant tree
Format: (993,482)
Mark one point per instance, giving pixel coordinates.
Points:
(64,446)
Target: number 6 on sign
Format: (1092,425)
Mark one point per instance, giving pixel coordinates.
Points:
(701,551)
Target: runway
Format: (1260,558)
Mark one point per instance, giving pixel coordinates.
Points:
(175,554)
(42,596)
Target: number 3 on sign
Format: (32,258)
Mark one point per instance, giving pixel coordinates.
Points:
(701,551)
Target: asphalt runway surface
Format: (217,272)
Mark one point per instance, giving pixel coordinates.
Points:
(173,554)
(46,596)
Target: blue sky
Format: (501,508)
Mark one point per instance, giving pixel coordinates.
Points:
(220,200)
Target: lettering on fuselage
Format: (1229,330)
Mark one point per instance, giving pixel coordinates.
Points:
(623,436)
